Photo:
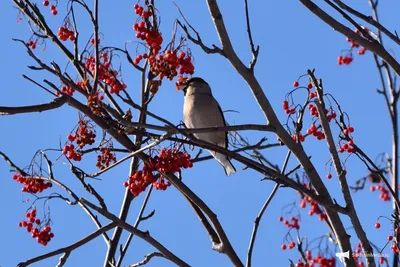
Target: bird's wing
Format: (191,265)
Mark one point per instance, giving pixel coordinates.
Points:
(223,118)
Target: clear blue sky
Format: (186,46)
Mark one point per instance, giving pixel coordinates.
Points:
(291,39)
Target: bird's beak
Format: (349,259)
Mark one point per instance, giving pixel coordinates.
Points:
(182,85)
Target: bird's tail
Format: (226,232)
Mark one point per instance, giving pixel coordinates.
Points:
(225,162)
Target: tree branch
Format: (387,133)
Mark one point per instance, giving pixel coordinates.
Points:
(56,103)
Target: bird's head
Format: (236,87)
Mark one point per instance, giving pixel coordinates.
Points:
(195,85)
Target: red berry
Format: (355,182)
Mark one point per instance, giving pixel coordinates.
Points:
(296,84)
(329,176)
(283,247)
(46,3)
(377,225)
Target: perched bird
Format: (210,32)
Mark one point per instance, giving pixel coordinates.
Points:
(201,110)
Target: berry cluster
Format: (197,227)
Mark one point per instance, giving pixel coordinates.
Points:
(170,161)
(167,161)
(42,236)
(170,64)
(287,109)
(139,10)
(32,44)
(53,8)
(348,147)
(71,153)
(315,132)
(313,129)
(138,182)
(167,64)
(384,194)
(146,32)
(348,59)
(84,135)
(302,138)
(32,185)
(348,130)
(395,247)
(107,156)
(106,74)
(345,60)
(315,209)
(318,260)
(289,246)
(65,34)
(93,102)
(68,90)
(293,224)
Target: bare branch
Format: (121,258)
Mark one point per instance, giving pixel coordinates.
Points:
(254,50)
(261,213)
(139,219)
(369,20)
(147,258)
(56,103)
(142,235)
(371,45)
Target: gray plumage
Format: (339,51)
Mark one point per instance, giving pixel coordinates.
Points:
(201,110)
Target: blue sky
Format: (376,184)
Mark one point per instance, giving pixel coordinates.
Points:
(291,40)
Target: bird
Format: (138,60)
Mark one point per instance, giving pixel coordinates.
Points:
(201,110)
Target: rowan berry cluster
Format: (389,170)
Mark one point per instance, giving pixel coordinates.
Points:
(71,153)
(314,207)
(345,60)
(107,156)
(53,8)
(84,135)
(166,64)
(93,102)
(293,223)
(32,224)
(32,185)
(314,112)
(289,246)
(287,109)
(146,31)
(302,138)
(313,130)
(318,260)
(384,194)
(64,33)
(32,44)
(348,147)
(348,59)
(170,64)
(395,247)
(167,161)
(170,161)
(105,73)
(68,90)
